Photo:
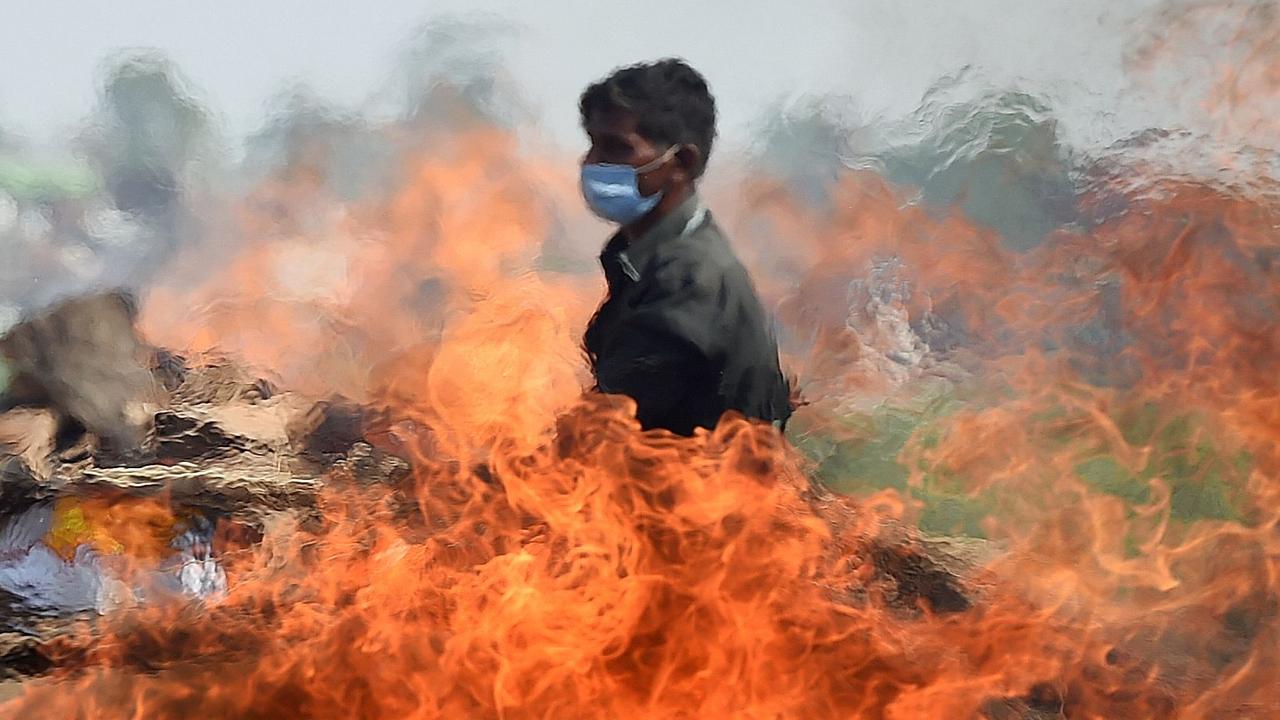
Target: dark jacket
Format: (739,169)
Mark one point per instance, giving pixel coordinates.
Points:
(682,331)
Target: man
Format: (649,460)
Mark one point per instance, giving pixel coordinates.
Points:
(682,331)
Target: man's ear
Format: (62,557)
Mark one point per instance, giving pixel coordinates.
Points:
(690,159)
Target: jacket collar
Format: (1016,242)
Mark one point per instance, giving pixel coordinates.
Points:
(631,258)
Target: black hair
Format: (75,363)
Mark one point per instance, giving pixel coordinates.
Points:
(670,100)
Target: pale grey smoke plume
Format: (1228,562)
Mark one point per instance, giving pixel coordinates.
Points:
(453,70)
(120,204)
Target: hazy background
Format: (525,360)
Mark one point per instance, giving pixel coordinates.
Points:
(881,54)
(131,131)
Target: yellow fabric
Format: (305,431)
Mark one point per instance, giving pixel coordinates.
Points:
(72,527)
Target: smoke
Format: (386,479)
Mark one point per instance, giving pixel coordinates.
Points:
(121,200)
(1216,61)
(452,72)
(152,144)
(144,193)
(306,134)
(152,199)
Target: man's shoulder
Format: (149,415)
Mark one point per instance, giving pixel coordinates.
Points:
(704,252)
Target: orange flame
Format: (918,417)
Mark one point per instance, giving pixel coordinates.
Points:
(138,529)
(590,570)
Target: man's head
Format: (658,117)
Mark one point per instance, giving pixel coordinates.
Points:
(657,114)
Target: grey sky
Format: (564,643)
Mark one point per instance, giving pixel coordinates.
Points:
(881,53)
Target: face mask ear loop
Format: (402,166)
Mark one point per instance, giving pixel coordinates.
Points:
(659,161)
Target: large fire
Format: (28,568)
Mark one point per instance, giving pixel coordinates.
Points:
(1115,431)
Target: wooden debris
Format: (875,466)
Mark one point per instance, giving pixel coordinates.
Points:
(329,428)
(226,441)
(27,440)
(908,570)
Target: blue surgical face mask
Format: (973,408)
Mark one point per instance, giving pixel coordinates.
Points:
(613,191)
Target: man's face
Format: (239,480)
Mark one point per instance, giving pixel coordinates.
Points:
(615,140)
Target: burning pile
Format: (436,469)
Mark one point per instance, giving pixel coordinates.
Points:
(117,469)
(601,536)
(65,556)
(543,558)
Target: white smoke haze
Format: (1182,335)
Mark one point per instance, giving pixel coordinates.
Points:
(193,119)
(186,105)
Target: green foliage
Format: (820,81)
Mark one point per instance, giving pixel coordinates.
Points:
(1106,475)
(1205,480)
(30,182)
(865,459)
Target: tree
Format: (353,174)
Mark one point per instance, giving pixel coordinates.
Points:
(306,137)
(452,73)
(145,133)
